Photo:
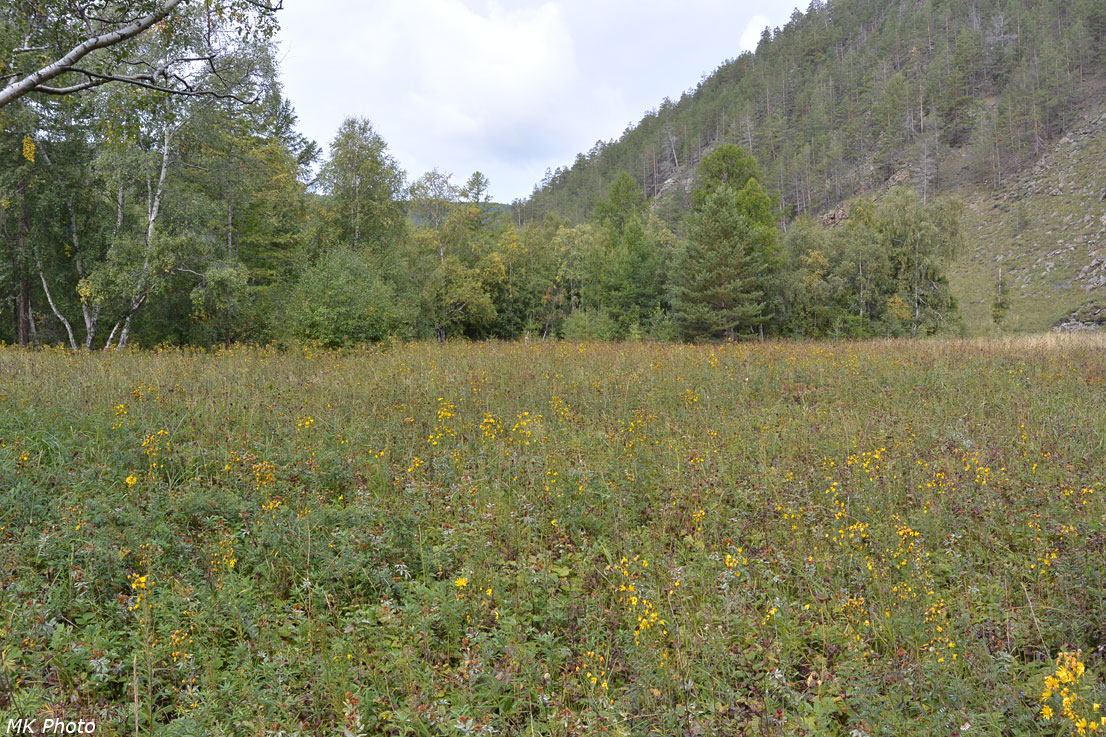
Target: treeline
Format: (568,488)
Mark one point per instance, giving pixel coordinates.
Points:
(160,219)
(459,266)
(130,215)
(852,92)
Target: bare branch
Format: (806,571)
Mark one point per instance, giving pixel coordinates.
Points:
(73,88)
(141,80)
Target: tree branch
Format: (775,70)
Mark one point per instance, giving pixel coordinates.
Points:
(33,81)
(140,80)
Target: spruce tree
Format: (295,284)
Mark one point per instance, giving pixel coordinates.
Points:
(718,284)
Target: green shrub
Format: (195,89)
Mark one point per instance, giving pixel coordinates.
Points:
(587,324)
(342,300)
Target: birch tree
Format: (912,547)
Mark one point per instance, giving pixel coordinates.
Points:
(364,184)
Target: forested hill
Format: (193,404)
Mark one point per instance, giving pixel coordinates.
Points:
(853,93)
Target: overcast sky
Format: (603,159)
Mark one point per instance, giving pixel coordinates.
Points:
(507,88)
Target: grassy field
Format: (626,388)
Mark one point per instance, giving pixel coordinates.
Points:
(885,538)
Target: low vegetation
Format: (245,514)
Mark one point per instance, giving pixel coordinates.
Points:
(884,538)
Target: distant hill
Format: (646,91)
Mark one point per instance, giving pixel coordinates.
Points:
(972,98)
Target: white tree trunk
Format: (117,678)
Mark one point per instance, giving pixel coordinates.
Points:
(56,311)
(153,208)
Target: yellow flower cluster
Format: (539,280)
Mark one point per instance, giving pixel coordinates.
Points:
(139,585)
(641,607)
(732,561)
(594,668)
(560,408)
(153,445)
(490,426)
(271,507)
(446,411)
(223,559)
(523,430)
(179,640)
(263,473)
(1066,689)
(121,419)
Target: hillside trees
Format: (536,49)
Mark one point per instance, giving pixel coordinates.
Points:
(852,93)
(726,165)
(882,273)
(613,269)
(922,240)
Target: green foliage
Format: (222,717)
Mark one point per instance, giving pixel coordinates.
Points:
(633,279)
(364,183)
(727,165)
(159,53)
(624,200)
(341,300)
(588,325)
(882,273)
(921,240)
(455,302)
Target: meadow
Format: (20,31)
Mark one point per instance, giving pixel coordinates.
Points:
(878,538)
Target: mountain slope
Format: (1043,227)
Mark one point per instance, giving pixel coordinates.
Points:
(1046,229)
(852,96)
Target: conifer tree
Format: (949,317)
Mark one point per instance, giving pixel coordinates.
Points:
(719,280)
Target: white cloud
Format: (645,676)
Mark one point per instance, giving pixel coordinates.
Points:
(751,37)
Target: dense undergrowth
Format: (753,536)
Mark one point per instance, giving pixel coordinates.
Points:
(884,538)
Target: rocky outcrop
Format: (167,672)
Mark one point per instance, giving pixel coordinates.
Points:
(836,217)
(1091,316)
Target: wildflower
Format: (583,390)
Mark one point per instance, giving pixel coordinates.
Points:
(132,480)
(460,582)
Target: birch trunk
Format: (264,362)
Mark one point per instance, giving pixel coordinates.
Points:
(56,311)
(154,197)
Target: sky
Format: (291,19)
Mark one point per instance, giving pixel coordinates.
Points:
(507,88)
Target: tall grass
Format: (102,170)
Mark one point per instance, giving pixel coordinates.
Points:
(882,538)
